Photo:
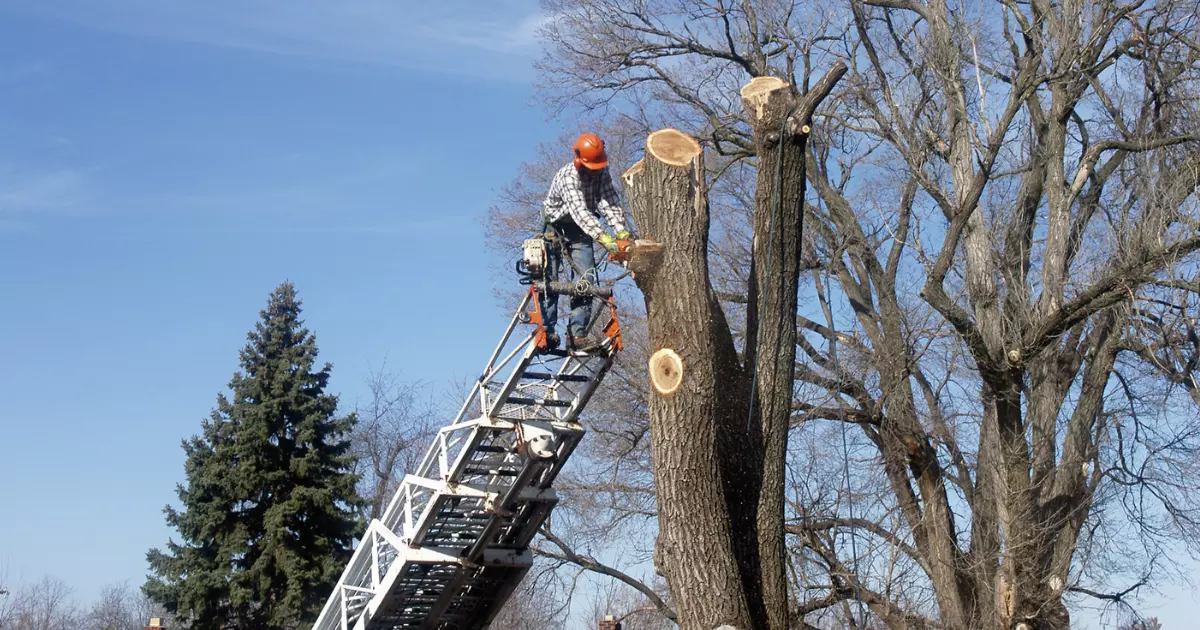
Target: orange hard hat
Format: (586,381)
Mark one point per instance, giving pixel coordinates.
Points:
(589,152)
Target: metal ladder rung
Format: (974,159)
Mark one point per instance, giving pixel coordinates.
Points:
(546,376)
(490,461)
(484,471)
(489,469)
(538,402)
(461,519)
(502,461)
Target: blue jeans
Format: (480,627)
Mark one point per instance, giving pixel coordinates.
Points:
(578,246)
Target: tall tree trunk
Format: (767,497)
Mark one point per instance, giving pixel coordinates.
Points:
(780,121)
(771,316)
(719,461)
(696,545)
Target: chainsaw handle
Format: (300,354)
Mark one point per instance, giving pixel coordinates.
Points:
(622,253)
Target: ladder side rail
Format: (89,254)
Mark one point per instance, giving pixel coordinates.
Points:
(511,382)
(488,369)
(408,515)
(486,398)
(400,501)
(443,465)
(353,567)
(374,558)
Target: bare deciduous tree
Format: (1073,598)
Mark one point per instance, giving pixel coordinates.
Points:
(531,607)
(121,607)
(999,294)
(1142,624)
(49,604)
(43,605)
(394,427)
(627,606)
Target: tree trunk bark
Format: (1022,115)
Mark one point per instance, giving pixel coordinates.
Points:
(719,460)
(696,545)
(771,316)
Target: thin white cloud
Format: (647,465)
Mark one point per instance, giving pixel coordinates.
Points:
(478,38)
(310,191)
(503,36)
(23,71)
(55,191)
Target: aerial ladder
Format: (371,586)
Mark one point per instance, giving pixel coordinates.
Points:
(453,544)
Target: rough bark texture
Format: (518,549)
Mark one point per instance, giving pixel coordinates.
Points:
(718,457)
(696,545)
(771,322)
(1006,256)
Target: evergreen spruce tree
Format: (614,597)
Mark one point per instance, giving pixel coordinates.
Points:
(268,509)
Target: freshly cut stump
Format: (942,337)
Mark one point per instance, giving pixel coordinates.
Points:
(666,371)
(670,176)
(757,93)
(671,146)
(757,97)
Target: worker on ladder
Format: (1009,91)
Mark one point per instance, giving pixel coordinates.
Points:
(579,193)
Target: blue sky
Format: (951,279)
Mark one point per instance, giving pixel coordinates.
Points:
(163,166)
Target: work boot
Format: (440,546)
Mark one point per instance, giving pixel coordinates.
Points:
(552,341)
(582,344)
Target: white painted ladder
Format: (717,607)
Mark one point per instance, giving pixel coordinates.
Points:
(453,543)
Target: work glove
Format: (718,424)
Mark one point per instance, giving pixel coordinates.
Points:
(608,242)
(624,235)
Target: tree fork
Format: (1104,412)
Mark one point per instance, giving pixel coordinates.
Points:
(718,460)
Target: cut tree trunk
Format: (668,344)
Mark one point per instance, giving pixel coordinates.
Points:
(695,550)
(718,458)
(771,316)
(780,120)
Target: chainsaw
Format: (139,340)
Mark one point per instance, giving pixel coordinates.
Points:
(543,253)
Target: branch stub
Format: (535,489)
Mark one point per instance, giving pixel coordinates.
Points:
(633,170)
(644,256)
(666,371)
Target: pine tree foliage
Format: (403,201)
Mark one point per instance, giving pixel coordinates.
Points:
(268,514)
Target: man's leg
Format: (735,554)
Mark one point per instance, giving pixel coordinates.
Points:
(582,252)
(549,302)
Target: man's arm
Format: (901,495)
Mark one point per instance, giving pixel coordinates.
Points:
(610,204)
(552,209)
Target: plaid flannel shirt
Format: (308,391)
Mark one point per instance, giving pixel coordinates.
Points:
(570,195)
